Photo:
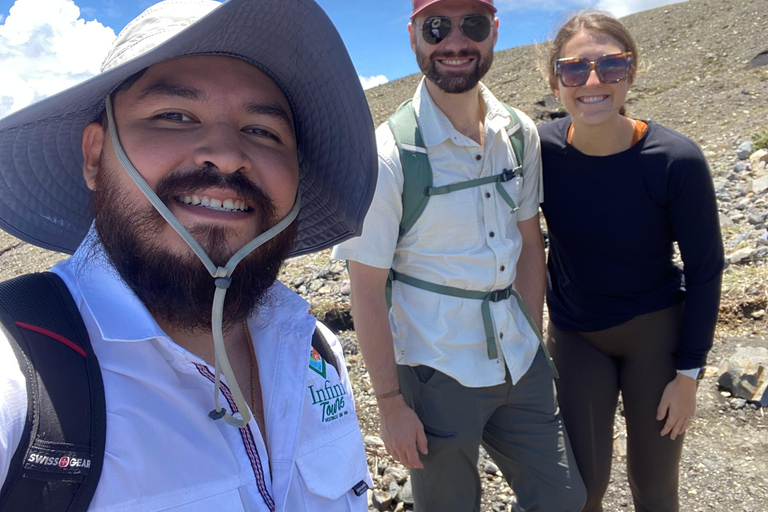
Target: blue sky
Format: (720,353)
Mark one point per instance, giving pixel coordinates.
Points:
(71,37)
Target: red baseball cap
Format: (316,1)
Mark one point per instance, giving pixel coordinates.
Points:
(420,5)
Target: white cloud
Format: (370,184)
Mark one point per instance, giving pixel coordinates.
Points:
(542,5)
(618,8)
(621,8)
(46,47)
(373,81)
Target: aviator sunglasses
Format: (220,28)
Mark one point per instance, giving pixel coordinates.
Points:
(437,28)
(610,69)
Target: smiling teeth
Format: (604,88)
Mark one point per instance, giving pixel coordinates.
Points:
(228,205)
(456,62)
(592,99)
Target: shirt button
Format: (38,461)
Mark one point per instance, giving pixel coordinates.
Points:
(487,195)
(502,268)
(501,335)
(491,234)
(478,157)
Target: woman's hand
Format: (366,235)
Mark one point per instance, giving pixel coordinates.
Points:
(678,405)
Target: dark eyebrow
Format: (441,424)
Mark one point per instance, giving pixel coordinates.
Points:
(272,110)
(165,88)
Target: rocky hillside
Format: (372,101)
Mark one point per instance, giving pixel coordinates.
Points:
(701,82)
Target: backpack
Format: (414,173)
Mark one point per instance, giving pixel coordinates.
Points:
(417,173)
(58,462)
(417,189)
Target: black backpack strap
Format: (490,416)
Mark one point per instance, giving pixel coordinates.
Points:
(58,462)
(323,348)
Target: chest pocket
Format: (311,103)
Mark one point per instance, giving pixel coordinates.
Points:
(331,459)
(450,223)
(329,476)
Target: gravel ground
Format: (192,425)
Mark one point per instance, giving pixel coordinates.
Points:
(701,84)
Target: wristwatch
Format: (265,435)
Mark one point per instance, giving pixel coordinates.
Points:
(694,373)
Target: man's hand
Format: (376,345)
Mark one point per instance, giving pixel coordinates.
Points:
(678,405)
(402,432)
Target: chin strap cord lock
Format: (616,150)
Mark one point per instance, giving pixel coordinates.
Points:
(217,415)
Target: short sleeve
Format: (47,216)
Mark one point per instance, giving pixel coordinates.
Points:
(533,191)
(376,245)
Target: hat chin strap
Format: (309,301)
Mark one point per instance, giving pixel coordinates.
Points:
(221,275)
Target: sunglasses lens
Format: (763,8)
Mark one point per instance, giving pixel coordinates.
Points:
(435,29)
(574,72)
(612,68)
(476,27)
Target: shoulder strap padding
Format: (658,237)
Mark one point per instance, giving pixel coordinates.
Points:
(417,173)
(58,462)
(516,134)
(323,348)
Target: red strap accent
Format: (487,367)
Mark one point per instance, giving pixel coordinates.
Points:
(53,335)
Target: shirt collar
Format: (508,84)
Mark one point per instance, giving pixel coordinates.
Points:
(436,128)
(121,316)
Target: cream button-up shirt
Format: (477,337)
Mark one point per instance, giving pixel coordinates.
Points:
(466,239)
(163,452)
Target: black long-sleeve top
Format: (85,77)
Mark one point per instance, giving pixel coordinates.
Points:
(612,222)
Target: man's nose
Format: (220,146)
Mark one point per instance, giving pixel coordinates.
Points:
(222,146)
(456,39)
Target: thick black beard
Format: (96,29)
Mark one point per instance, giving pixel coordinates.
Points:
(177,288)
(455,83)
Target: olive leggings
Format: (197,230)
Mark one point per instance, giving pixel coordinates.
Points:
(636,359)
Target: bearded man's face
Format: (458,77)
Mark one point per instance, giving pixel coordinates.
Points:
(177,288)
(456,64)
(220,151)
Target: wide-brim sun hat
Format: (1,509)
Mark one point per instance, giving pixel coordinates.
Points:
(43,196)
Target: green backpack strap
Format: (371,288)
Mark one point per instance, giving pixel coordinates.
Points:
(516,135)
(417,173)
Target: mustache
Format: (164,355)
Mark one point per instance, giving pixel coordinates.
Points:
(456,55)
(181,183)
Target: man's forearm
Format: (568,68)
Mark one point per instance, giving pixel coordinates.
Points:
(530,281)
(374,335)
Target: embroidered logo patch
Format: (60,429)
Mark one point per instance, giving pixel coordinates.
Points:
(317,363)
(330,399)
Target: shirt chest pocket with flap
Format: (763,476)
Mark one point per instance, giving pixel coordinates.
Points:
(330,461)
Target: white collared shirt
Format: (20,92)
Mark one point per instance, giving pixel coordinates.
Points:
(163,452)
(466,239)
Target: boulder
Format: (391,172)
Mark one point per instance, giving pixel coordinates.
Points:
(761,59)
(373,443)
(740,256)
(406,493)
(744,150)
(725,221)
(761,155)
(394,474)
(382,499)
(745,374)
(760,184)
